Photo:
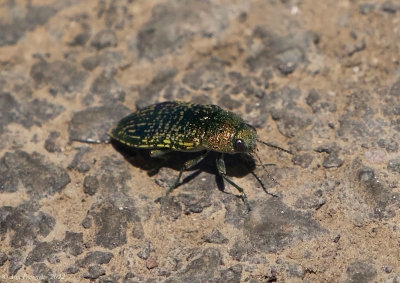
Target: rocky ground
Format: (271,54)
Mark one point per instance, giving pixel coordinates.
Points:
(321,78)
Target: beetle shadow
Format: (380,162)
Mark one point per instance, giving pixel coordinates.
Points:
(237,165)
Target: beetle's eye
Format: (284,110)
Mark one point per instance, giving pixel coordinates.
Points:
(240,146)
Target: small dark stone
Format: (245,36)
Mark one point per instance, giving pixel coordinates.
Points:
(194,203)
(235,76)
(332,160)
(291,122)
(50,144)
(310,202)
(202,99)
(94,272)
(267,233)
(77,162)
(15,259)
(170,207)
(155,38)
(104,39)
(72,270)
(327,148)
(360,271)
(90,185)
(83,167)
(59,75)
(91,62)
(337,238)
(390,7)
(81,39)
(108,88)
(237,251)
(243,86)
(145,252)
(366,175)
(163,79)
(391,145)
(3,258)
(352,128)
(324,107)
(227,102)
(215,237)
(33,16)
(44,110)
(296,270)
(203,267)
(357,47)
(42,251)
(137,231)
(25,223)
(73,243)
(53,259)
(112,227)
(287,68)
(366,8)
(193,80)
(107,59)
(313,97)
(96,257)
(267,74)
(232,274)
(376,191)
(129,275)
(395,89)
(286,52)
(87,223)
(302,160)
(206,76)
(41,270)
(114,278)
(10,110)
(259,93)
(388,269)
(394,165)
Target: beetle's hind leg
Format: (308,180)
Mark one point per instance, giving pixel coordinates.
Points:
(160,154)
(222,171)
(187,165)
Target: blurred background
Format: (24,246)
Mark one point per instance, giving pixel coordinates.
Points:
(320,78)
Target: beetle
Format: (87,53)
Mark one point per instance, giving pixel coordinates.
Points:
(188,127)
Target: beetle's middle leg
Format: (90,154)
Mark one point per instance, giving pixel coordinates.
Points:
(187,165)
(222,171)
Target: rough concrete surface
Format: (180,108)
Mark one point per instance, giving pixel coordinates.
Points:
(321,78)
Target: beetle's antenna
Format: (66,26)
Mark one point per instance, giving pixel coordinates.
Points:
(275,146)
(269,175)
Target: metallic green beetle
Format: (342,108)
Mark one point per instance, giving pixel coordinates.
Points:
(181,126)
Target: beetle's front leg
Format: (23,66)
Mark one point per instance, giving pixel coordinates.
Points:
(222,171)
(187,165)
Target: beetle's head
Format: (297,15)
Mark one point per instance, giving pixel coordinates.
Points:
(245,138)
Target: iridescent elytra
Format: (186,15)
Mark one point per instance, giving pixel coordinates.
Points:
(188,127)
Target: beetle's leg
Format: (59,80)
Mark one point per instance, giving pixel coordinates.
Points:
(222,171)
(158,153)
(187,165)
